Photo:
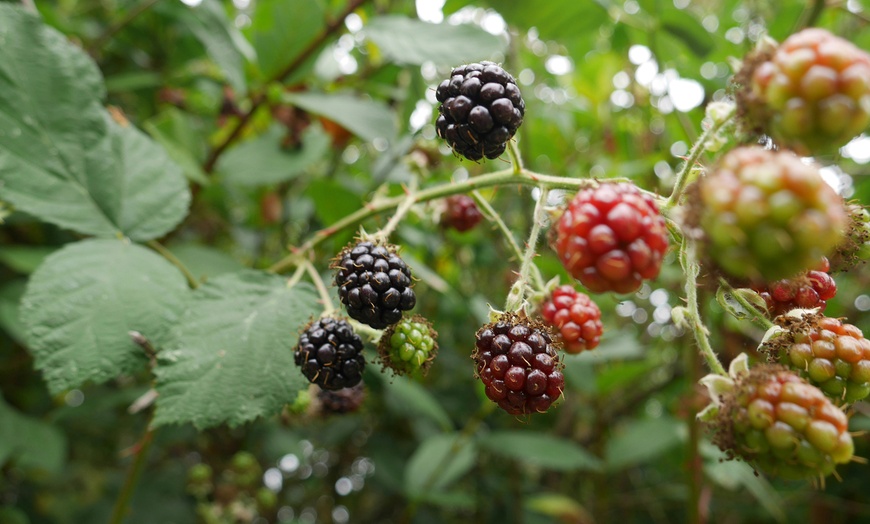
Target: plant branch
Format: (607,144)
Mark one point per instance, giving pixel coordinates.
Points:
(683,177)
(328,307)
(758,316)
(123,502)
(402,209)
(113,29)
(498,178)
(492,215)
(810,15)
(160,248)
(516,157)
(689,261)
(259,97)
(516,296)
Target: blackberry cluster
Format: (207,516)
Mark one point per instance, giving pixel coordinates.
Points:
(481,109)
(345,400)
(330,354)
(409,346)
(374,284)
(461,213)
(811,290)
(782,425)
(827,352)
(517,362)
(575,316)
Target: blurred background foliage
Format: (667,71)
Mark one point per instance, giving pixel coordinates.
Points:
(286,115)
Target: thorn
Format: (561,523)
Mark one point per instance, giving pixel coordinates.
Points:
(858,460)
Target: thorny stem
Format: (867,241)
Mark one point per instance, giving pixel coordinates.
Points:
(516,297)
(689,261)
(403,208)
(123,501)
(257,99)
(516,157)
(683,177)
(758,316)
(328,307)
(160,248)
(498,178)
(494,216)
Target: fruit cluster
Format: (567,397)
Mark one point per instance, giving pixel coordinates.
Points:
(810,290)
(330,354)
(575,316)
(409,346)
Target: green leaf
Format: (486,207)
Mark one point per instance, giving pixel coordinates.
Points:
(29,442)
(263,161)
(10,298)
(686,28)
(81,304)
(558,506)
(155,196)
(734,474)
(25,259)
(411,399)
(409,41)
(641,441)
(281,29)
(61,158)
(175,131)
(542,450)
(223,42)
(368,119)
(438,462)
(237,335)
(204,261)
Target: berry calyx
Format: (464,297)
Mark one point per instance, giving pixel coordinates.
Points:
(767,215)
(810,94)
(827,352)
(481,109)
(611,238)
(810,290)
(409,347)
(517,362)
(576,318)
(374,284)
(330,354)
(460,213)
(777,422)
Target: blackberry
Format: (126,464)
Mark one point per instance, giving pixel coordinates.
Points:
(330,354)
(409,347)
(345,400)
(481,109)
(809,290)
(461,213)
(517,362)
(374,284)
(575,316)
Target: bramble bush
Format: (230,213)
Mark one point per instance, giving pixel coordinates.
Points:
(318,261)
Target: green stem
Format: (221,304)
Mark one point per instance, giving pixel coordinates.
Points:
(160,248)
(494,216)
(132,478)
(328,307)
(689,261)
(517,293)
(498,178)
(683,177)
(297,276)
(403,208)
(131,15)
(758,316)
(516,157)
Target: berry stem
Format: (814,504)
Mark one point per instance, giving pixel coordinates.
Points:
(757,316)
(516,296)
(492,215)
(119,512)
(689,261)
(165,253)
(328,307)
(684,176)
(516,157)
(384,234)
(498,178)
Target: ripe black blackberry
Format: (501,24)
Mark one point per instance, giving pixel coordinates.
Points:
(374,284)
(481,109)
(330,354)
(517,362)
(341,401)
